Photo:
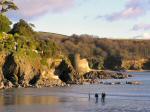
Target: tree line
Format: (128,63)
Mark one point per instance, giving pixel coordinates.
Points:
(103,53)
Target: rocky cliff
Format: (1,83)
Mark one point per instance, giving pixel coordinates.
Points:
(28,62)
(22,71)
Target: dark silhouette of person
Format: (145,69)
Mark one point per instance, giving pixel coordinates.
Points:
(89,97)
(103,95)
(96,97)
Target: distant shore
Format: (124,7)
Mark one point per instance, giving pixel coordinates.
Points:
(127,70)
(137,70)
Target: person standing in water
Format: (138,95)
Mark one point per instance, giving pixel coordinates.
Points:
(96,97)
(89,97)
(103,95)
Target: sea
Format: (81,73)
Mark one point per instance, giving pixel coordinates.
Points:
(81,98)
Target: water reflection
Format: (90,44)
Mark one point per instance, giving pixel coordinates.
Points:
(7,98)
(12,97)
(33,100)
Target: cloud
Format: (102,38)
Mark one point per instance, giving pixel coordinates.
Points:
(34,8)
(141,26)
(133,9)
(144,36)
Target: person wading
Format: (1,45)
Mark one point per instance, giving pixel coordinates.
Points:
(96,97)
(103,95)
(89,96)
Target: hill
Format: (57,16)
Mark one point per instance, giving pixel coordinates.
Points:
(104,53)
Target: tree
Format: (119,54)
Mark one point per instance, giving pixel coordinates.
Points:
(23,28)
(6,5)
(97,63)
(47,48)
(113,62)
(4,23)
(146,65)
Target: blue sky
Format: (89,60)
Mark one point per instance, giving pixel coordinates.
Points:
(104,18)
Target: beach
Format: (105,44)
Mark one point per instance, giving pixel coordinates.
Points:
(119,98)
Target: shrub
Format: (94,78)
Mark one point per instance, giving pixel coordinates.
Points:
(23,28)
(4,23)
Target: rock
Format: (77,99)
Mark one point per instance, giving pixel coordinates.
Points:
(9,68)
(80,65)
(2,85)
(8,84)
(119,75)
(130,75)
(35,79)
(66,72)
(36,86)
(112,83)
(118,83)
(18,86)
(105,75)
(109,83)
(134,82)
(25,84)
(96,74)
(101,82)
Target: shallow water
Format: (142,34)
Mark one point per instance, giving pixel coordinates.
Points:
(119,98)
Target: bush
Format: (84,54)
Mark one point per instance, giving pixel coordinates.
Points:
(97,63)
(146,65)
(5,36)
(4,23)
(47,48)
(23,28)
(113,62)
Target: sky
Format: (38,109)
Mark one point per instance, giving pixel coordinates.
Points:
(103,18)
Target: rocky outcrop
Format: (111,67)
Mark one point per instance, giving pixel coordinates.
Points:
(80,65)
(134,82)
(9,69)
(8,84)
(2,85)
(119,75)
(2,61)
(66,72)
(19,71)
(105,75)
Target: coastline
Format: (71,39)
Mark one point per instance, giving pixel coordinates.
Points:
(92,77)
(137,70)
(125,70)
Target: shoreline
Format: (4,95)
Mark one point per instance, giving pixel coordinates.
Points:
(126,70)
(103,74)
(137,70)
